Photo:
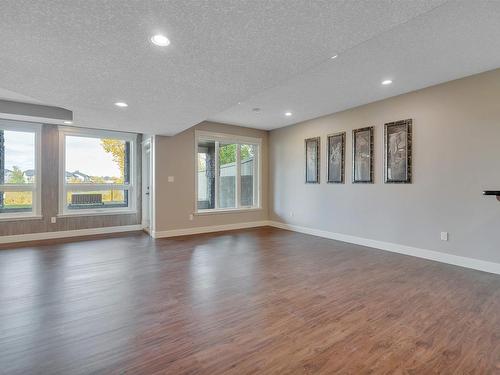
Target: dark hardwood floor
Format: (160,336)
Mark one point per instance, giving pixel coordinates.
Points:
(258,301)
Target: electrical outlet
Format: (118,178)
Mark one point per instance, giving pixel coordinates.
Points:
(291,213)
(191,217)
(53,219)
(170,178)
(444,236)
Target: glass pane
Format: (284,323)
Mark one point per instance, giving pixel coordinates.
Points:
(17,157)
(227,175)
(206,175)
(77,200)
(16,201)
(97,160)
(248,178)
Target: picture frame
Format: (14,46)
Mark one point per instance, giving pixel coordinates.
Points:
(335,144)
(398,152)
(363,155)
(312,154)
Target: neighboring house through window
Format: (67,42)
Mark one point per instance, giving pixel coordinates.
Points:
(19,169)
(97,170)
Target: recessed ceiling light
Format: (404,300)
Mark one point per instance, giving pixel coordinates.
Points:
(386,82)
(160,40)
(256,109)
(288,114)
(334,57)
(121,104)
(67,122)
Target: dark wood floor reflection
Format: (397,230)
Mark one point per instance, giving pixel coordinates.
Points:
(260,301)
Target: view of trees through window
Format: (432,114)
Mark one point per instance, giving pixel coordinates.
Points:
(226,173)
(17,167)
(96,161)
(97,171)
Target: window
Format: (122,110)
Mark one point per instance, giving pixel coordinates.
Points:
(19,169)
(227,172)
(97,172)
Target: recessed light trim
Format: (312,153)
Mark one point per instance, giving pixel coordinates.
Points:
(288,114)
(160,40)
(121,104)
(386,82)
(67,122)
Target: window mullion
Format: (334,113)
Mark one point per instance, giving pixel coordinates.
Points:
(238,175)
(18,187)
(256,178)
(217,174)
(91,187)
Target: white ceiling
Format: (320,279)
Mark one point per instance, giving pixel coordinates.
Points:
(452,41)
(272,54)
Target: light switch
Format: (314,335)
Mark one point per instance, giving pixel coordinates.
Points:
(170,178)
(53,219)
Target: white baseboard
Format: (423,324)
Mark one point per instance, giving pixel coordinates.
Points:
(208,229)
(67,233)
(437,256)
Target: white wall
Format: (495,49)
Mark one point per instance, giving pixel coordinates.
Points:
(456,155)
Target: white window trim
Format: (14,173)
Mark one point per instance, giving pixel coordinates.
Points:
(63,188)
(228,138)
(36,212)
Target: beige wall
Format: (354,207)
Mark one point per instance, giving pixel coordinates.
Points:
(175,201)
(50,188)
(456,145)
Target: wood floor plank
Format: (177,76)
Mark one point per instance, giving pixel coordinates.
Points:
(256,301)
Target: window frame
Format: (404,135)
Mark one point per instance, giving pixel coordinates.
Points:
(63,210)
(35,188)
(239,140)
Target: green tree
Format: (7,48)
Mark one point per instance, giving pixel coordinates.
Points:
(227,153)
(17,176)
(246,152)
(117,149)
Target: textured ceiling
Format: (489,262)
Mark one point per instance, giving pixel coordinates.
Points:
(274,54)
(452,41)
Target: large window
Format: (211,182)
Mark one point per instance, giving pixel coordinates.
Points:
(19,169)
(227,172)
(97,172)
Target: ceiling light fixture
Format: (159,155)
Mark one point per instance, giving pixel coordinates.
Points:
(386,82)
(160,40)
(334,57)
(67,122)
(288,114)
(121,104)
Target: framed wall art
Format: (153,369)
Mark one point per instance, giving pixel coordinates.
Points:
(362,155)
(335,158)
(312,146)
(397,152)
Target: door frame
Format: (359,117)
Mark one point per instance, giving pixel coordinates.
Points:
(148,143)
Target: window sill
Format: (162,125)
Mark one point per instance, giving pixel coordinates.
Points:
(16,218)
(98,213)
(226,211)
